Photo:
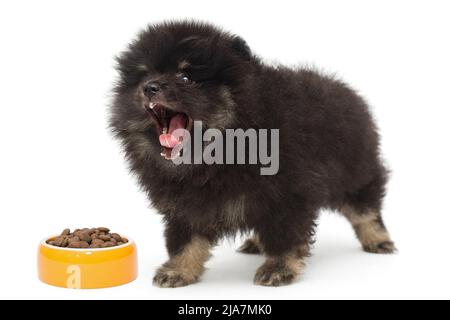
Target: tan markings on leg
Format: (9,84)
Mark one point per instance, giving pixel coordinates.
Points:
(186,267)
(252,245)
(370,231)
(281,270)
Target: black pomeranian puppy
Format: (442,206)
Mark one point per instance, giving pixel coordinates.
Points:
(327,152)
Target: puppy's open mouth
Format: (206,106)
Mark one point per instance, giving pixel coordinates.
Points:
(168,123)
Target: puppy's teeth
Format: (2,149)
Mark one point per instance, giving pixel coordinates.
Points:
(152,105)
(164,130)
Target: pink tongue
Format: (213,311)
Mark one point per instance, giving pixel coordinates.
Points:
(168,140)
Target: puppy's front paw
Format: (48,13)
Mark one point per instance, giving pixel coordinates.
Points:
(385,247)
(274,275)
(172,278)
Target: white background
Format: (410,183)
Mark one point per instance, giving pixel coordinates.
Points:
(60,168)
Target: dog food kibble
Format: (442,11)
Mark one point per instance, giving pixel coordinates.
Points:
(104,237)
(87,238)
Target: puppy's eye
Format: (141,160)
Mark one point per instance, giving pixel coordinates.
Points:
(184,77)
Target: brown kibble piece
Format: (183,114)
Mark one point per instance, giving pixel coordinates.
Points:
(116,237)
(65,232)
(84,244)
(79,244)
(84,236)
(108,244)
(97,241)
(104,237)
(74,244)
(124,240)
(102,229)
(58,241)
(78,233)
(73,239)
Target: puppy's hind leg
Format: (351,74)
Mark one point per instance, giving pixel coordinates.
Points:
(251,246)
(370,230)
(363,210)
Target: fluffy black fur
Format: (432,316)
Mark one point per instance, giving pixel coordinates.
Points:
(329,145)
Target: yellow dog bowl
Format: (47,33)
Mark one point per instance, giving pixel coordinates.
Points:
(87,268)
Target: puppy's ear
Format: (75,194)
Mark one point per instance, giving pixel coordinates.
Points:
(241,47)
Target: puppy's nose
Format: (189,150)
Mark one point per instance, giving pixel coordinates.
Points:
(151,88)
